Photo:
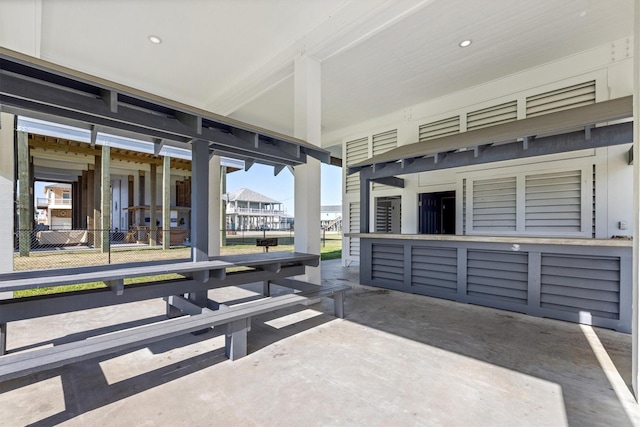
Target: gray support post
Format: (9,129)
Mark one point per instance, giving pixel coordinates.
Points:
(3,339)
(199,201)
(635,324)
(153,205)
(236,339)
(166,202)
(7,194)
(365,209)
(199,209)
(23,194)
(97,205)
(105,198)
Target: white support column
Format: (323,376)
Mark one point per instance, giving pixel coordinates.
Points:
(214,206)
(635,325)
(307,116)
(7,203)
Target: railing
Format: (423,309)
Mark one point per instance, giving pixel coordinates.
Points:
(231,209)
(58,201)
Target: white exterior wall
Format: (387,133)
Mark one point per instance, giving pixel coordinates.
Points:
(609,65)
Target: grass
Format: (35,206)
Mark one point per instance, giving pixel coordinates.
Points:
(330,249)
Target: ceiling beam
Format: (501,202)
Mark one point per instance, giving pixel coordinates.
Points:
(30,84)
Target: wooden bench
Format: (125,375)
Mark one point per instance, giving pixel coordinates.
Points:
(236,318)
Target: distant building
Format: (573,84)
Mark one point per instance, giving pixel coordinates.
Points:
(331,217)
(248,210)
(55,207)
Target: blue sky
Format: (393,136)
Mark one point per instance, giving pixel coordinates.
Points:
(260,179)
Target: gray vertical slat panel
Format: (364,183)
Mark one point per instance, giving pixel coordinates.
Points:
(408,254)
(562,291)
(626,288)
(365,261)
(462,274)
(365,208)
(533,290)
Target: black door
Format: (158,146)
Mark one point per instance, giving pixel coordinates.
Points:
(429,213)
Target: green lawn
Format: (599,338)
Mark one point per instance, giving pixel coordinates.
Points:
(330,249)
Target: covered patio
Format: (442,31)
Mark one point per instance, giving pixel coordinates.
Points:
(397,359)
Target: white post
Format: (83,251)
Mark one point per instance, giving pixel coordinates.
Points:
(214,206)
(635,367)
(7,202)
(307,116)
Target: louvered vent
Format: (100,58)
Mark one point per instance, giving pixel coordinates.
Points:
(553,202)
(357,151)
(498,275)
(593,203)
(383,218)
(387,263)
(434,268)
(581,284)
(494,204)
(354,227)
(438,129)
(503,113)
(464,206)
(381,143)
(562,99)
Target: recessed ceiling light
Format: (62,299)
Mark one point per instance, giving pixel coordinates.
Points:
(155,39)
(465,43)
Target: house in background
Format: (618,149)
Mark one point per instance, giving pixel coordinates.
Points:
(249,210)
(331,217)
(56,208)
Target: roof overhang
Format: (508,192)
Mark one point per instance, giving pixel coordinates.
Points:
(36,88)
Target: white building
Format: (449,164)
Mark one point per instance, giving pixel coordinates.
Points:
(249,210)
(56,207)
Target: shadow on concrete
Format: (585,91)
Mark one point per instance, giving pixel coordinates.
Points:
(552,350)
(86,388)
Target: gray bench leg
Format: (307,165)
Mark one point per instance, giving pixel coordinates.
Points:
(3,339)
(172,311)
(266,288)
(338,304)
(236,339)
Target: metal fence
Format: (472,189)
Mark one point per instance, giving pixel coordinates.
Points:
(44,249)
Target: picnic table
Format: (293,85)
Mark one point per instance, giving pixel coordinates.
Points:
(188,307)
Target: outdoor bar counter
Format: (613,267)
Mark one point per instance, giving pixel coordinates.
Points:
(579,280)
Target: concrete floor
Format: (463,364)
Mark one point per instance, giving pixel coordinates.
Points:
(395,360)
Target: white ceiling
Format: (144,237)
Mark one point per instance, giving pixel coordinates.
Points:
(235,57)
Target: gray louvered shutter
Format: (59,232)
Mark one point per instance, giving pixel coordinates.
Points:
(381,143)
(562,99)
(503,113)
(357,151)
(354,227)
(494,204)
(440,128)
(553,202)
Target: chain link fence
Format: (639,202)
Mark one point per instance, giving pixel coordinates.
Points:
(44,249)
